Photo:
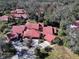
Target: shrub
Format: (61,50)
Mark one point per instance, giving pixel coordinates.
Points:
(61,32)
(58,41)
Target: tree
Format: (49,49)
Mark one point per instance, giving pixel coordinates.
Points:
(72,40)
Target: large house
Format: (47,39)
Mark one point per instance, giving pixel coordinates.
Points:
(18,13)
(32,30)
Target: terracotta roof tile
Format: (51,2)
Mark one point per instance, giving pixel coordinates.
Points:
(32,25)
(31,33)
(18,29)
(47,30)
(49,37)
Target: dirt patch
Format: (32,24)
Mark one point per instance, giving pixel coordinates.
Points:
(61,52)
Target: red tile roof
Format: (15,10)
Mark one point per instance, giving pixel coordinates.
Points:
(49,37)
(32,25)
(48,30)
(4,18)
(31,33)
(18,29)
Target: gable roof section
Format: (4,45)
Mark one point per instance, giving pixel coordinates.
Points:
(49,37)
(35,26)
(48,30)
(32,33)
(32,25)
(19,13)
(18,29)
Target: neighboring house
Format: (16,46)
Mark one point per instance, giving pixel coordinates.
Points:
(75,24)
(19,13)
(4,18)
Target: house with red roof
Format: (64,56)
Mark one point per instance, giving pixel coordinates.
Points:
(31,30)
(18,13)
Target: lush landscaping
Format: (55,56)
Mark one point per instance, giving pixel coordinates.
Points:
(58,13)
